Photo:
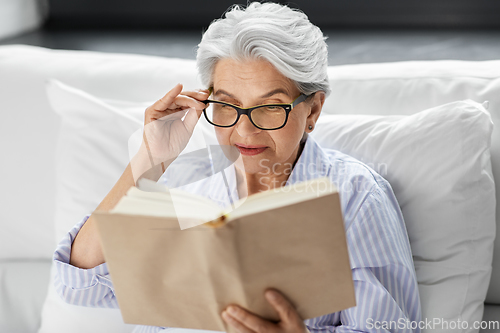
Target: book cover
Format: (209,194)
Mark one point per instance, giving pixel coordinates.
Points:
(167,276)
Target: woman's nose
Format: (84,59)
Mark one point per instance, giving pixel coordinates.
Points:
(245,128)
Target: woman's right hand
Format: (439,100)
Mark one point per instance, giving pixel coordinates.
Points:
(166,134)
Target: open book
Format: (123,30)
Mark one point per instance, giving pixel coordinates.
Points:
(291,238)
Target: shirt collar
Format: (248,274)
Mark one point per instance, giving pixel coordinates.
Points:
(312,163)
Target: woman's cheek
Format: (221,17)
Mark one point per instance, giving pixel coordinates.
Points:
(223,135)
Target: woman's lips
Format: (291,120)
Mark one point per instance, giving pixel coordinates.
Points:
(250,150)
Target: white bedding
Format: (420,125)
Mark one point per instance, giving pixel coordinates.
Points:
(23,287)
(29,133)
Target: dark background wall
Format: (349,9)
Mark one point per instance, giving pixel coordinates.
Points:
(358,31)
(157,14)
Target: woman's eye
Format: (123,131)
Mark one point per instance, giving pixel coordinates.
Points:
(272,108)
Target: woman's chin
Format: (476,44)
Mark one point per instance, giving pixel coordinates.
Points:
(253,165)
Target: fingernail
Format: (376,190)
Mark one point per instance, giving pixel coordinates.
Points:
(232,310)
(227,318)
(271,295)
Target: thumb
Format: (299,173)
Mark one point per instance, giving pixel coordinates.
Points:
(191,119)
(282,305)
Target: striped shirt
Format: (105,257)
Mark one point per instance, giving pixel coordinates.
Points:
(379,251)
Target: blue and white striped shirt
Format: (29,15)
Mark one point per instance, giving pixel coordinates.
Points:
(380,256)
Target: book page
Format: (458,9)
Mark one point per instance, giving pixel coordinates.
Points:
(283,196)
(191,209)
(171,203)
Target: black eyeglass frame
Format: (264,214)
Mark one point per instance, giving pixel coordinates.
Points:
(247,111)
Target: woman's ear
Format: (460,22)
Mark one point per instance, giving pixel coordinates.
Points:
(316,105)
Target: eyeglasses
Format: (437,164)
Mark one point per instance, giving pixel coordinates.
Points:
(265,117)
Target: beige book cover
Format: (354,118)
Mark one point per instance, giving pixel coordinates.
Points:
(166,276)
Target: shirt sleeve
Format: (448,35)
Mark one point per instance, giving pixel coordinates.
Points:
(385,283)
(87,287)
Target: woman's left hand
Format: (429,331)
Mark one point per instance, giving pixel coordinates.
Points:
(246,322)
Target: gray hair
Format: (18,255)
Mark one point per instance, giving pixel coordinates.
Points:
(279,34)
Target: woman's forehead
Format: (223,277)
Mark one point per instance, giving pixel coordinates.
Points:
(259,76)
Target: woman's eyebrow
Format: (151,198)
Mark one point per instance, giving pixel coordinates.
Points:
(269,94)
(275,92)
(223,92)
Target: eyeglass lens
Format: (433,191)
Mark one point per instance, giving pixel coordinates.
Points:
(267,117)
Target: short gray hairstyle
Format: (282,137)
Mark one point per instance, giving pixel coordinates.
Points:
(279,34)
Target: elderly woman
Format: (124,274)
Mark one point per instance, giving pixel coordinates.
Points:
(265,68)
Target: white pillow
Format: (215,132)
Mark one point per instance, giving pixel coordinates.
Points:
(438,164)
(92,152)
(408,87)
(96,140)
(416,151)
(91,155)
(29,159)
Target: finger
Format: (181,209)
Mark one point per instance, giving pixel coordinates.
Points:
(164,102)
(240,327)
(162,115)
(191,120)
(282,305)
(181,102)
(157,117)
(200,94)
(249,319)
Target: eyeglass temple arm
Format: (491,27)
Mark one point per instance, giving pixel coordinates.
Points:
(300,99)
